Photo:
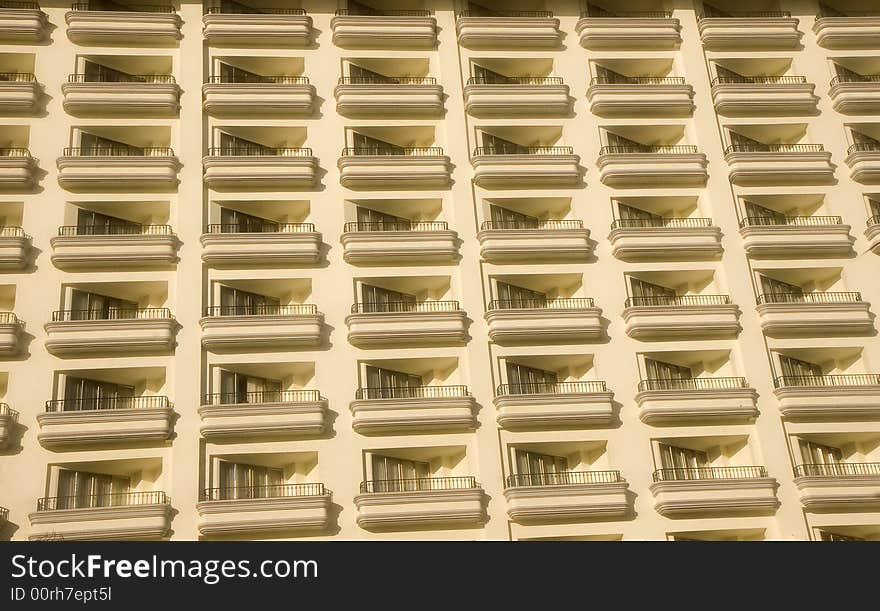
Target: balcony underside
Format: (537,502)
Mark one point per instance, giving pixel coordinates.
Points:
(516,100)
(123,27)
(395,100)
(558,410)
(629,33)
(652,169)
(864,166)
(797,240)
(105,426)
(567,503)
(121,98)
(556,324)
(258,29)
(780,168)
(118,173)
(226,99)
(697,406)
(265,516)
(22,25)
(395,171)
(664,243)
(294,248)
(221,333)
(829,402)
(264,420)
(692,321)
(829,493)
(856,98)
(503,245)
(508,32)
(240,173)
(638,100)
(77,338)
(421,509)
(113,251)
(749,32)
(815,318)
(17,173)
(715,497)
(377,31)
(847,32)
(14,252)
(7,430)
(516,171)
(764,99)
(411,415)
(411,328)
(128,522)
(394,247)
(18,98)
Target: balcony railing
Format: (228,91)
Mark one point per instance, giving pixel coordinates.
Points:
(678,300)
(132,229)
(570,303)
(551,388)
(675,149)
(637,80)
(764,221)
(125,8)
(15,152)
(834,380)
(262,396)
(774,148)
(855,78)
(164,79)
(711,13)
(825,12)
(532,224)
(563,478)
(298,309)
(258,151)
(515,80)
(4,513)
(13,232)
(9,318)
(405,306)
(863,147)
(271,491)
(594,12)
(29,6)
(489,13)
(840,469)
(418,484)
(821,297)
(112,314)
(118,151)
(17,77)
(5,410)
(235,8)
(267,227)
(412,392)
(874,220)
(90,501)
(708,383)
(368,12)
(397,226)
(759,80)
(661,223)
(387,80)
(107,403)
(278,79)
(523,150)
(690,473)
(405,151)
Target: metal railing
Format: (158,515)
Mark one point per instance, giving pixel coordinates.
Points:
(387,80)
(411,392)
(689,473)
(523,150)
(411,151)
(298,309)
(715,14)
(862,147)
(17,77)
(535,224)
(515,80)
(595,12)
(119,499)
(637,80)
(235,8)
(489,13)
(759,80)
(270,491)
(837,469)
(708,383)
(261,228)
(133,229)
(551,388)
(563,478)
(765,221)
(278,79)
(397,226)
(7,411)
(855,78)
(4,513)
(363,12)
(118,151)
(258,151)
(677,300)
(13,232)
(112,314)
(833,380)
(9,318)
(405,306)
(262,396)
(873,220)
(27,6)
(674,149)
(14,152)
(661,223)
(107,403)
(819,297)
(418,484)
(773,148)
(122,8)
(569,303)
(164,79)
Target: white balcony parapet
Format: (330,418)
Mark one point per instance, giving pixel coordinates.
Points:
(566,496)
(276,95)
(818,313)
(532,166)
(379,411)
(397,323)
(22,22)
(270,168)
(438,502)
(137,246)
(234,328)
(844,32)
(515,96)
(713,491)
(559,405)
(829,397)
(630,166)
(856,94)
(8,423)
(276,244)
(274,27)
(147,25)
(654,96)
(17,169)
(666,238)
(415,241)
(396,96)
(528,321)
(125,516)
(152,94)
(118,169)
(779,164)
(384,29)
(15,248)
(805,236)
(768,30)
(82,332)
(764,95)
(19,92)
(107,420)
(283,413)
(558,240)
(708,400)
(394,168)
(838,487)
(645,30)
(864,163)
(508,29)
(651,318)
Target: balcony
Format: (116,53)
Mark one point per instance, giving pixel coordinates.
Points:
(8,424)
(11,330)
(273,95)
(599,29)
(267,414)
(17,169)
(411,409)
(411,242)
(667,238)
(508,29)
(432,502)
(530,166)
(566,496)
(764,95)
(748,31)
(237,25)
(713,491)
(89,247)
(87,333)
(259,327)
(372,325)
(537,320)
(272,244)
(105,420)
(580,404)
(809,236)
(279,508)
(656,166)
(514,96)
(15,246)
(22,22)
(847,31)
(837,487)
(695,316)
(778,164)
(423,167)
(150,94)
(856,94)
(557,240)
(384,29)
(118,169)
(873,233)
(818,313)
(153,25)
(19,93)
(709,400)
(864,162)
(840,396)
(241,169)
(395,96)
(642,95)
(124,516)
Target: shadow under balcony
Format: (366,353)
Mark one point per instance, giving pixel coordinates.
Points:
(235,24)
(258,327)
(749,30)
(265,414)
(423,167)
(570,496)
(387,29)
(856,93)
(270,95)
(639,166)
(409,409)
(19,92)
(123,331)
(796,236)
(8,423)
(396,96)
(22,22)
(276,508)
(241,169)
(268,244)
(122,516)
(527,166)
(665,238)
(151,94)
(655,96)
(502,241)
(95,22)
(692,316)
(91,247)
(764,95)
(829,397)
(709,400)
(554,405)
(17,169)
(105,420)
(402,322)
(713,491)
(819,313)
(118,169)
(431,502)
(526,95)
(599,29)
(537,320)
(841,486)
(15,247)
(507,29)
(395,242)
(864,162)
(847,31)
(778,164)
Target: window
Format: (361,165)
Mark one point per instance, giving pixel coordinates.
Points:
(745,143)
(874,204)
(494,145)
(233,221)
(759,215)
(607,75)
(683,462)
(512,296)
(90,144)
(818,454)
(510,219)
(93,306)
(96,73)
(864,141)
(804,371)
(616,141)
(366,145)
(781,291)
(235,302)
(233,74)
(673,375)
(369,76)
(529,380)
(234,145)
(541,469)
(490,77)
(83,394)
(95,223)
(382,221)
(633,215)
(399,475)
(242,481)
(647,293)
(387,383)
(240,388)
(79,489)
(377,299)
(829,536)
